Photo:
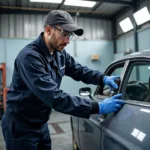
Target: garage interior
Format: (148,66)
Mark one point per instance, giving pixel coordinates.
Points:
(103,41)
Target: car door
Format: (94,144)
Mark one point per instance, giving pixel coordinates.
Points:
(90,129)
(128,129)
(89,133)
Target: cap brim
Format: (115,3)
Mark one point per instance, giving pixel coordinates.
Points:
(72,28)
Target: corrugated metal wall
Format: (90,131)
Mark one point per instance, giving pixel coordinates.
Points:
(29,26)
(130,15)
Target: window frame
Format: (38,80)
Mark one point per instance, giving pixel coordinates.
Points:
(125,80)
(111,68)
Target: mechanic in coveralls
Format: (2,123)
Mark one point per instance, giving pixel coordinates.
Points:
(34,91)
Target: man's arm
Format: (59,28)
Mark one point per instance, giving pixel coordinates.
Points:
(32,71)
(82,73)
(86,75)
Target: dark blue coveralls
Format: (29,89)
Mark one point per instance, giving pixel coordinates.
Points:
(34,92)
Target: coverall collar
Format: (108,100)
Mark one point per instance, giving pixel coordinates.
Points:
(45,50)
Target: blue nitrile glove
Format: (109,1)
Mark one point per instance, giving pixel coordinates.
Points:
(110,81)
(111,104)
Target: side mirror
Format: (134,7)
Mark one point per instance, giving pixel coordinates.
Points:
(86,91)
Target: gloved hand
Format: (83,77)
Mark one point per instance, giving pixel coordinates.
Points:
(110,81)
(111,104)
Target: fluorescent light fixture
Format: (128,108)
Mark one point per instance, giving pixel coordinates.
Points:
(80,3)
(47,1)
(142,16)
(126,25)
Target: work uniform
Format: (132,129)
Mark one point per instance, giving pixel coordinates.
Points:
(34,92)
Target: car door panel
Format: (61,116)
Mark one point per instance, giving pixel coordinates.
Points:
(75,129)
(125,131)
(89,133)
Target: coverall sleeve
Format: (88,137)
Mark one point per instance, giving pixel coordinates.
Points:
(32,70)
(82,73)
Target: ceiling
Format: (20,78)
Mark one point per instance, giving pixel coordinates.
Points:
(104,9)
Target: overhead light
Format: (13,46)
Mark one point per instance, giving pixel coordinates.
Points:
(126,25)
(142,16)
(47,1)
(80,3)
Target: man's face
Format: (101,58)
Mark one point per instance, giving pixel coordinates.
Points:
(58,38)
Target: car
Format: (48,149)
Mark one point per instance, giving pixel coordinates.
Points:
(128,128)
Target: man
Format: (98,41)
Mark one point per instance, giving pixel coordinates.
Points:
(34,91)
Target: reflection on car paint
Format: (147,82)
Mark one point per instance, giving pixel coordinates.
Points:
(128,128)
(146,50)
(138,134)
(145,110)
(135,53)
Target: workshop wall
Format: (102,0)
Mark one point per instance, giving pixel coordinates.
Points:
(130,15)
(84,50)
(125,41)
(80,50)
(17,30)
(30,26)
(2,50)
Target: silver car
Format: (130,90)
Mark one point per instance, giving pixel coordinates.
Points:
(129,128)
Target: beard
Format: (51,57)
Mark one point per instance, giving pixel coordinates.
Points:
(54,45)
(57,47)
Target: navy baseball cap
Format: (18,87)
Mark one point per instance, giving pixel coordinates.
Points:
(64,20)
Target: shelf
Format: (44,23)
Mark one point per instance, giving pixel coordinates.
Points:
(3,69)
(3,89)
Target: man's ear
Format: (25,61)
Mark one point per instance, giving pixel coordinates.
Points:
(49,30)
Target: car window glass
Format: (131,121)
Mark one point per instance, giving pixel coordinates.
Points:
(116,72)
(138,83)
(106,89)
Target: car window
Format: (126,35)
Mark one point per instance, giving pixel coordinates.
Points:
(137,85)
(113,71)
(116,72)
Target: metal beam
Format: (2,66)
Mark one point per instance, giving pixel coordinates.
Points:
(60,5)
(121,12)
(126,9)
(47,10)
(24,10)
(18,3)
(94,16)
(114,33)
(135,30)
(115,2)
(96,6)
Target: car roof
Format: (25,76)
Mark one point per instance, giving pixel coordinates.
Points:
(140,54)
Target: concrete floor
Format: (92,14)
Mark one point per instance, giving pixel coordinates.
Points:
(59,126)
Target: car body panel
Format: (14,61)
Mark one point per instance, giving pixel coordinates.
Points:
(89,133)
(127,129)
